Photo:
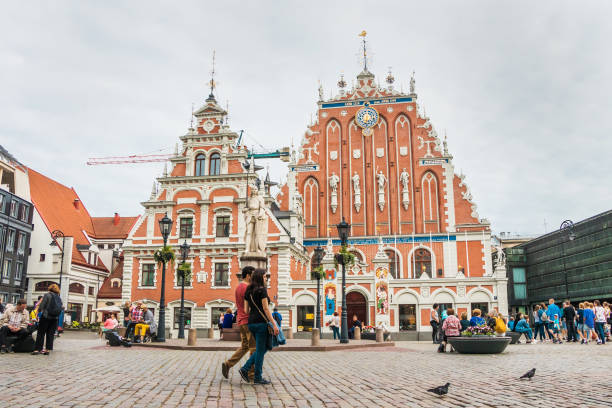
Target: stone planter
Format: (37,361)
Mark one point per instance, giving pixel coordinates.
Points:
(479,344)
(368,336)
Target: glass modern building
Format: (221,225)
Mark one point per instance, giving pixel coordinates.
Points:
(573,263)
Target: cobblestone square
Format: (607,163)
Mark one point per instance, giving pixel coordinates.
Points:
(83,372)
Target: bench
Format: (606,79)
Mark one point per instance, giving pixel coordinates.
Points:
(232,334)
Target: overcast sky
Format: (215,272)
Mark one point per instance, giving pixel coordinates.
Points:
(522,89)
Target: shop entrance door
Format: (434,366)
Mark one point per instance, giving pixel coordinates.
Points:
(356,305)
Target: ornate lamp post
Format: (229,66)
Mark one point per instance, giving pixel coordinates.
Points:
(567,226)
(55,235)
(184,253)
(344,229)
(165,225)
(316,263)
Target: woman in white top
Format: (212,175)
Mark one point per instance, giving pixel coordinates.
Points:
(600,320)
(335,325)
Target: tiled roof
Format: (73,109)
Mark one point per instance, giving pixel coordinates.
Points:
(106,290)
(55,204)
(106,229)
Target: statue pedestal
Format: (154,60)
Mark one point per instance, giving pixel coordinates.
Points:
(254,259)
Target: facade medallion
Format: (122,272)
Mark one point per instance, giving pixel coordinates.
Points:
(208,125)
(367,117)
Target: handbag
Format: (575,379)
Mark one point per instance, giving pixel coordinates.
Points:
(271,340)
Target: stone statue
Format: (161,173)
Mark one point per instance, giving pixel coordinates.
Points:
(333,182)
(256,221)
(404,178)
(381,181)
(320,91)
(501,257)
(356,185)
(412,83)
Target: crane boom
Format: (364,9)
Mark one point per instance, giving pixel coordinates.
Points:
(135,158)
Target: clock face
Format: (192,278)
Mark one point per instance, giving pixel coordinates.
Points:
(366,117)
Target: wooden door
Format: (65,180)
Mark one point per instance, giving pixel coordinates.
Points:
(356,305)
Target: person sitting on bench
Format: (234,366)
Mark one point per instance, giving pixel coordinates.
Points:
(147,322)
(14,323)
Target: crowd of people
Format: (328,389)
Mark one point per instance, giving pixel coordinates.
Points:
(590,322)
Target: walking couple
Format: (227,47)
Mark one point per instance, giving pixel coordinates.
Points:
(252,302)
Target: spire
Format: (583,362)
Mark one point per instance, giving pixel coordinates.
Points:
(191,121)
(153,191)
(212,83)
(412,83)
(390,79)
(165,173)
(445,145)
(363,35)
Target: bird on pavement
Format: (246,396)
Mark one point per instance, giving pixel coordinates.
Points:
(529,374)
(441,390)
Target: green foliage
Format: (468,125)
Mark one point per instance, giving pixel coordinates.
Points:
(164,255)
(347,257)
(317,273)
(185,270)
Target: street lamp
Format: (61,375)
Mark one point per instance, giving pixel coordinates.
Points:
(344,229)
(316,262)
(184,253)
(165,224)
(567,226)
(55,235)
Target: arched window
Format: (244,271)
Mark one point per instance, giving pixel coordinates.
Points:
(429,190)
(43,286)
(76,287)
(215,164)
(422,262)
(394,264)
(199,164)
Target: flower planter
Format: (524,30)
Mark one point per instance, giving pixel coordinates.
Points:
(479,344)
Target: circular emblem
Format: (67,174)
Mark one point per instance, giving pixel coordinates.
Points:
(208,125)
(366,118)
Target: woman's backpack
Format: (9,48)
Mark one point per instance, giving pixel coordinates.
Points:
(54,306)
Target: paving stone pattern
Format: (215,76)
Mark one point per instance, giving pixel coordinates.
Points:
(83,372)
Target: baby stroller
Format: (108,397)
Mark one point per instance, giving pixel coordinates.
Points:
(115,340)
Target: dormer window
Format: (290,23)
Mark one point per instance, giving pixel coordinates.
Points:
(215,164)
(200,162)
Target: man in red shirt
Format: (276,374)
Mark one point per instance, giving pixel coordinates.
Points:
(242,320)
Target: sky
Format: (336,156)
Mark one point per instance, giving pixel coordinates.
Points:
(522,89)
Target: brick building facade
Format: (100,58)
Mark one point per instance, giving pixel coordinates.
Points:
(371,157)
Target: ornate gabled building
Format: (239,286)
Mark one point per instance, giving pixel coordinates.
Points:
(204,193)
(374,158)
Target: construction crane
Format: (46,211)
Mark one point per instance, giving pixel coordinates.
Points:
(284,154)
(135,158)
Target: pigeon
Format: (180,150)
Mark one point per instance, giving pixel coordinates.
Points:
(441,390)
(529,374)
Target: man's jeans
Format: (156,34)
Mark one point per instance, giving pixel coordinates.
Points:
(129,329)
(260,332)
(599,329)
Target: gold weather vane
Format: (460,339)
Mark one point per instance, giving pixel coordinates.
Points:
(363,35)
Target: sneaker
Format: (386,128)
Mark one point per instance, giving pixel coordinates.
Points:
(263,381)
(244,374)
(10,349)
(224,369)
(3,350)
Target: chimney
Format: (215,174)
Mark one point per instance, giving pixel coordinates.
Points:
(116,219)
(76,203)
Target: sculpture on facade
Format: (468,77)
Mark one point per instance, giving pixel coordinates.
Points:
(256,221)
(357,191)
(333,183)
(405,179)
(382,180)
(501,258)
